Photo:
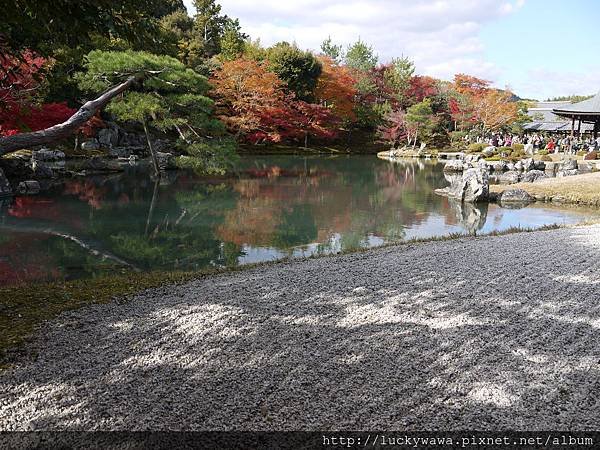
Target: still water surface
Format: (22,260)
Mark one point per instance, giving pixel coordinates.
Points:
(275,207)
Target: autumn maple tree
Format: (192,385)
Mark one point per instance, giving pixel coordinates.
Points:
(335,88)
(20,109)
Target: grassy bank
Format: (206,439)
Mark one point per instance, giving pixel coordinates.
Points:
(578,189)
(25,307)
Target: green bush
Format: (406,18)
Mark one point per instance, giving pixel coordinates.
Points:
(543,152)
(519,148)
(581,153)
(493,158)
(476,148)
(507,150)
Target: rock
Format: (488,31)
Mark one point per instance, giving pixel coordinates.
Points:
(528,164)
(108,137)
(516,196)
(47,155)
(569,164)
(99,164)
(454,166)
(90,145)
(482,164)
(510,167)
(41,170)
(17,168)
(539,165)
(510,177)
(472,187)
(489,151)
(533,175)
(5,189)
(591,156)
(567,173)
(165,161)
(473,158)
(519,166)
(498,166)
(28,187)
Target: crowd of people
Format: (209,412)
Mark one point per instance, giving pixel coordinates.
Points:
(535,142)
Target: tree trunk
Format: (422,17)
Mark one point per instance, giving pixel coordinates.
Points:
(65,129)
(152,152)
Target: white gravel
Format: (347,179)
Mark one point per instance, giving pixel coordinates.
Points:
(487,333)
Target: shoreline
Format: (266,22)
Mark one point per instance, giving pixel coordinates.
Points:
(385,319)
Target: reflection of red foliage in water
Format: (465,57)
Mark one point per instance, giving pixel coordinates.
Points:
(22,262)
(86,191)
(34,207)
(123,199)
(276,171)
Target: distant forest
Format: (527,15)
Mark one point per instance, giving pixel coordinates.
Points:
(570,98)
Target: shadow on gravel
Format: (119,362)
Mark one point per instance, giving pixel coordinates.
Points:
(498,333)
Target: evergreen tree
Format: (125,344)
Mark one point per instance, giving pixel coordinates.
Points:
(360,56)
(299,69)
(169,98)
(333,51)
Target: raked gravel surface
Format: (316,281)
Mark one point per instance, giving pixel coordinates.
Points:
(485,333)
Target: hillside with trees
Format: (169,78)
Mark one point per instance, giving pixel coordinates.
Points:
(204,85)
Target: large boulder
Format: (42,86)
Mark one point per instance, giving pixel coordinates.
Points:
(5,189)
(569,164)
(533,175)
(473,186)
(516,196)
(108,137)
(510,177)
(539,165)
(45,154)
(528,164)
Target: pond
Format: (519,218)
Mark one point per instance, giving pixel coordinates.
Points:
(274,207)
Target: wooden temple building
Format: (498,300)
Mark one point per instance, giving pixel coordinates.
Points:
(586,112)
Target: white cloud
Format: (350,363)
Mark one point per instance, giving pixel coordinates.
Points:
(441,36)
(544,83)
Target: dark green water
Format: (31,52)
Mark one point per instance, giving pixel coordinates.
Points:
(276,206)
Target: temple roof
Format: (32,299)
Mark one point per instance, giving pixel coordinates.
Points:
(586,109)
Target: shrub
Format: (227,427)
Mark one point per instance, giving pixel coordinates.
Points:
(543,152)
(581,153)
(476,148)
(507,150)
(493,158)
(519,147)
(546,158)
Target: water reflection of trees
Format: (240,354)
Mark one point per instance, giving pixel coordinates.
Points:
(188,223)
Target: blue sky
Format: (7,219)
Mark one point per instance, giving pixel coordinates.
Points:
(539,48)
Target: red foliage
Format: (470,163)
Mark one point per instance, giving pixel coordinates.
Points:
(395,129)
(254,104)
(420,88)
(19,110)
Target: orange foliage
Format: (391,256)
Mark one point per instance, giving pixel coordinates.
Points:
(495,109)
(246,89)
(489,107)
(335,89)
